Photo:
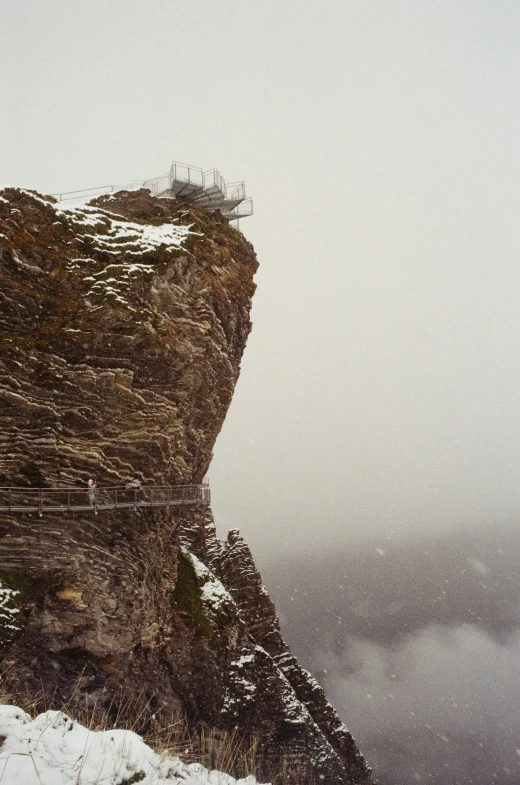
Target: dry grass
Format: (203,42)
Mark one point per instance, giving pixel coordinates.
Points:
(232,752)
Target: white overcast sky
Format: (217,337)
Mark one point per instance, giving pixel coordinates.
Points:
(379,140)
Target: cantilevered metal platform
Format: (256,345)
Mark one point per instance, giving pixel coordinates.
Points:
(64,500)
(205,189)
(183,181)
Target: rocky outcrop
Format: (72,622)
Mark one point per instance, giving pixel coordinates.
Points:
(232,561)
(122,333)
(123,325)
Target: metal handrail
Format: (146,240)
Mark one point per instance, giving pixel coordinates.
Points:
(242,210)
(236,190)
(85,487)
(85,499)
(213,179)
(86,193)
(195,175)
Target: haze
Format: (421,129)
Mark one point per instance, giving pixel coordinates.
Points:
(378,401)
(380,143)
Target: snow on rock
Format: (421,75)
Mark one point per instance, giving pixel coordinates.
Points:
(122,238)
(117,236)
(9,610)
(112,234)
(54,749)
(213,593)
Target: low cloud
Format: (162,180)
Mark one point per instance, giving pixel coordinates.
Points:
(441,708)
(417,644)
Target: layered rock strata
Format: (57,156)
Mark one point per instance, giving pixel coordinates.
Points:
(122,326)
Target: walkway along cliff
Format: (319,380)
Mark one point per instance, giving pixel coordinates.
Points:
(122,327)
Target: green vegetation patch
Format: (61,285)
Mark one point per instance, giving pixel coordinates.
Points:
(187,598)
(137,777)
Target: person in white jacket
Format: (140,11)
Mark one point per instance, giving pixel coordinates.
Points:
(92,485)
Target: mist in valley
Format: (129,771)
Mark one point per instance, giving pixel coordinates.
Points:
(417,644)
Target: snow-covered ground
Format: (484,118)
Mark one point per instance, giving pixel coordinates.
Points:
(52,749)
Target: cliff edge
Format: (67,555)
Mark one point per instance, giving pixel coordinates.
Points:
(122,327)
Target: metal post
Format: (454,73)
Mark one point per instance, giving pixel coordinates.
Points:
(9,498)
(40,495)
(68,499)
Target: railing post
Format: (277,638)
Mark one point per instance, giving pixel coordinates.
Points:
(95,501)
(116,498)
(68,500)
(9,498)
(40,502)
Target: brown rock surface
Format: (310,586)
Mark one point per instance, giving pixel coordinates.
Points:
(122,326)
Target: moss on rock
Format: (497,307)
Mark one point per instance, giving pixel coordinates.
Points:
(187,598)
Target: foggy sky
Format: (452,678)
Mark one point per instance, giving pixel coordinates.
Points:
(380,143)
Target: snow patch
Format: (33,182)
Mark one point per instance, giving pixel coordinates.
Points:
(53,749)
(9,612)
(212,590)
(116,236)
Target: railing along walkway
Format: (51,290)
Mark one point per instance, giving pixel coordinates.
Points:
(62,500)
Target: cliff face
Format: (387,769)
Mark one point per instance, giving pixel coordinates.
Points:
(122,326)
(122,337)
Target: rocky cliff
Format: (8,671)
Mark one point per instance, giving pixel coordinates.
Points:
(122,326)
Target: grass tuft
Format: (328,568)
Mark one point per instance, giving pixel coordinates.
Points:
(231,752)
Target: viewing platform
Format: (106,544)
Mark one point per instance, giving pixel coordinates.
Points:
(65,500)
(207,190)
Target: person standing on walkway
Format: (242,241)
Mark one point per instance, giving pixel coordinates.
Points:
(135,485)
(92,485)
